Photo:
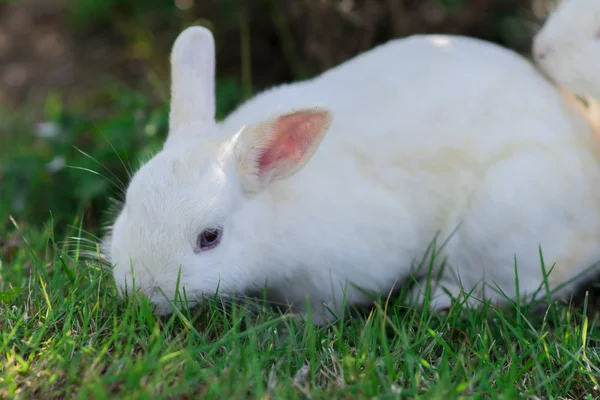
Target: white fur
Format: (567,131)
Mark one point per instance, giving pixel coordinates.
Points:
(429,133)
(192,83)
(567,47)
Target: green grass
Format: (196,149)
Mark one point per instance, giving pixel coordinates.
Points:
(66,334)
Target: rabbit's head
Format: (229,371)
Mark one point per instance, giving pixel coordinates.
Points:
(567,47)
(199,213)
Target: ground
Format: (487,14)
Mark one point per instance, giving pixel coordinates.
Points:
(65,334)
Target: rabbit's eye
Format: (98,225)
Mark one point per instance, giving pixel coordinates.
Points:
(209,238)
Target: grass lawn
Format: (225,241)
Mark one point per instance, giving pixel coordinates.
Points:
(65,334)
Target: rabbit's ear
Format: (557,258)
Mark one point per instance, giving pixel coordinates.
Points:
(192,81)
(279,147)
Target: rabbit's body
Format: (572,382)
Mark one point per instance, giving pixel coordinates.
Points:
(425,154)
(429,134)
(567,47)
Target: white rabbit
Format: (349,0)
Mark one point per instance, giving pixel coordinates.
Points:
(567,48)
(345,179)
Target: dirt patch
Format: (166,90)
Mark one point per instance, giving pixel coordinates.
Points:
(40,51)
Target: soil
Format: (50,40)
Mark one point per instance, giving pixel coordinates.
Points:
(40,52)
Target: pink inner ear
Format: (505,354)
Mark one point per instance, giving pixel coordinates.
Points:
(292,136)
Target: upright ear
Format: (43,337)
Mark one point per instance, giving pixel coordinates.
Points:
(192,81)
(279,147)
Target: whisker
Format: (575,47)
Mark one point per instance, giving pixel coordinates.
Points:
(79,244)
(97,174)
(88,233)
(128,171)
(122,186)
(82,253)
(79,240)
(74,248)
(113,210)
(91,257)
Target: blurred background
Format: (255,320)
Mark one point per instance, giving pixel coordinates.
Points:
(84,83)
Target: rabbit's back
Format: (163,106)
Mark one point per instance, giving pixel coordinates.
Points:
(423,91)
(431,134)
(428,104)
